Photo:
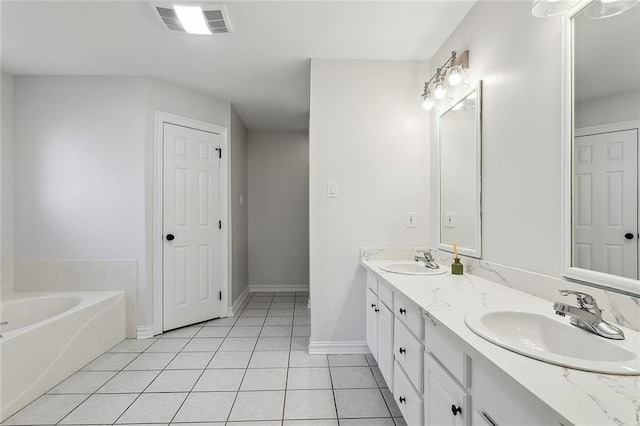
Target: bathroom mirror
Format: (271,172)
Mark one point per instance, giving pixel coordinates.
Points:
(602,153)
(459,138)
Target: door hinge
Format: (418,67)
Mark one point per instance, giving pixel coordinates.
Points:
(219,224)
(220,295)
(219,152)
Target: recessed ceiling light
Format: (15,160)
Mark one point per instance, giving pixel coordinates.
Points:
(192,19)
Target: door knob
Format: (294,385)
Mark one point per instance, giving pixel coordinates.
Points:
(455,410)
(628,236)
(170,237)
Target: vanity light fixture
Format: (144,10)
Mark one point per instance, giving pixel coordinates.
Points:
(595,9)
(447,79)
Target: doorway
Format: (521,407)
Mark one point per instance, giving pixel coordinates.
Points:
(191,222)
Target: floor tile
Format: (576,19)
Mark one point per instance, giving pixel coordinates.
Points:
(184,332)
(282,305)
(230,360)
(310,423)
(391,402)
(309,378)
(258,405)
(348,361)
(259,423)
(48,409)
(153,408)
(174,381)
(379,379)
(168,345)
(190,360)
(258,305)
(110,362)
(250,321)
(273,344)
(132,345)
(238,344)
(219,380)
(269,359)
(303,359)
(254,313)
(299,343)
(309,404)
(276,331)
(100,409)
(86,382)
(301,330)
(400,421)
(360,403)
(278,321)
(221,322)
(301,320)
(206,407)
(213,332)
(367,422)
(302,312)
(129,382)
(280,312)
(245,331)
(264,379)
(151,361)
(353,378)
(205,344)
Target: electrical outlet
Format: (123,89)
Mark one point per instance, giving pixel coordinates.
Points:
(411,219)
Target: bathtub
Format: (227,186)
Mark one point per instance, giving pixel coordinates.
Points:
(50,336)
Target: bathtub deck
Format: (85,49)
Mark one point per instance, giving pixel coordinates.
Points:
(251,367)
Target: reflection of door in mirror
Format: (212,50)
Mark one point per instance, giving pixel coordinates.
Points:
(606,119)
(605,203)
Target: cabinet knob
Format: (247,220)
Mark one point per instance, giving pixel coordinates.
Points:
(455,410)
(376,310)
(402,400)
(628,236)
(403,311)
(170,237)
(373,305)
(402,350)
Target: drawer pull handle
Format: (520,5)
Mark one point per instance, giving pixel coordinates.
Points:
(377,310)
(373,305)
(403,311)
(402,400)
(402,350)
(455,410)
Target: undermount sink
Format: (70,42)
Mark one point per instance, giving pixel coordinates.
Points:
(554,340)
(412,268)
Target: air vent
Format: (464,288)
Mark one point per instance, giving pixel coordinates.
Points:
(215,16)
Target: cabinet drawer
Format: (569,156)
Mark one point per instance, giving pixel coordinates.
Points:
(408,312)
(385,294)
(440,342)
(372,281)
(408,400)
(408,352)
(447,403)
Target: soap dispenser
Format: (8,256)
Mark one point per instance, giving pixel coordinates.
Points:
(457,268)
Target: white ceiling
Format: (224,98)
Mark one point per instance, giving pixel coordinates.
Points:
(262,68)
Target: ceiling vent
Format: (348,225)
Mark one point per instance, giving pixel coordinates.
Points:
(215,17)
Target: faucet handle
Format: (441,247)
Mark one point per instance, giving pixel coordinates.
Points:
(584,300)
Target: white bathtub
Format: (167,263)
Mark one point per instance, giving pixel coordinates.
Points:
(49,336)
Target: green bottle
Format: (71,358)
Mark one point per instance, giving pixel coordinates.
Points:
(457,267)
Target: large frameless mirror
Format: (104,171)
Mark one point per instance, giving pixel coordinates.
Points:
(459,140)
(603,162)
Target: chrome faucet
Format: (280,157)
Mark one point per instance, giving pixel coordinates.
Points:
(427,258)
(587,315)
(3,323)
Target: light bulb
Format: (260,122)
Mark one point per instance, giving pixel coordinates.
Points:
(606,8)
(439,90)
(545,8)
(454,76)
(428,104)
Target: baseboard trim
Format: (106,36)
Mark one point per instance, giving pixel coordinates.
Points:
(239,301)
(277,288)
(144,332)
(338,348)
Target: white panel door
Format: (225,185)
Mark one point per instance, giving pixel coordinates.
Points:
(605,203)
(191,213)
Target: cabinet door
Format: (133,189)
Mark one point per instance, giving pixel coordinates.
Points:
(372,323)
(385,344)
(446,403)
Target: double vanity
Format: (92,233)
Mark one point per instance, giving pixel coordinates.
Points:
(462,350)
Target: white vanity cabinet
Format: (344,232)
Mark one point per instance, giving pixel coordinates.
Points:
(380,325)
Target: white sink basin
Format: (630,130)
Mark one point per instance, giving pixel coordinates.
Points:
(553,339)
(412,268)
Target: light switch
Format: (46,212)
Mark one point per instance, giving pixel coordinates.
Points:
(332,189)
(411,219)
(449,220)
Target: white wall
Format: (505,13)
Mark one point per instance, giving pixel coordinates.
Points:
(278,210)
(614,108)
(367,135)
(239,207)
(518,57)
(6,189)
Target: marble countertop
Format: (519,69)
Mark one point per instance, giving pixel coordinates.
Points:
(581,397)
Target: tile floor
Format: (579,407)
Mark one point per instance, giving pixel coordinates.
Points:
(250,369)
